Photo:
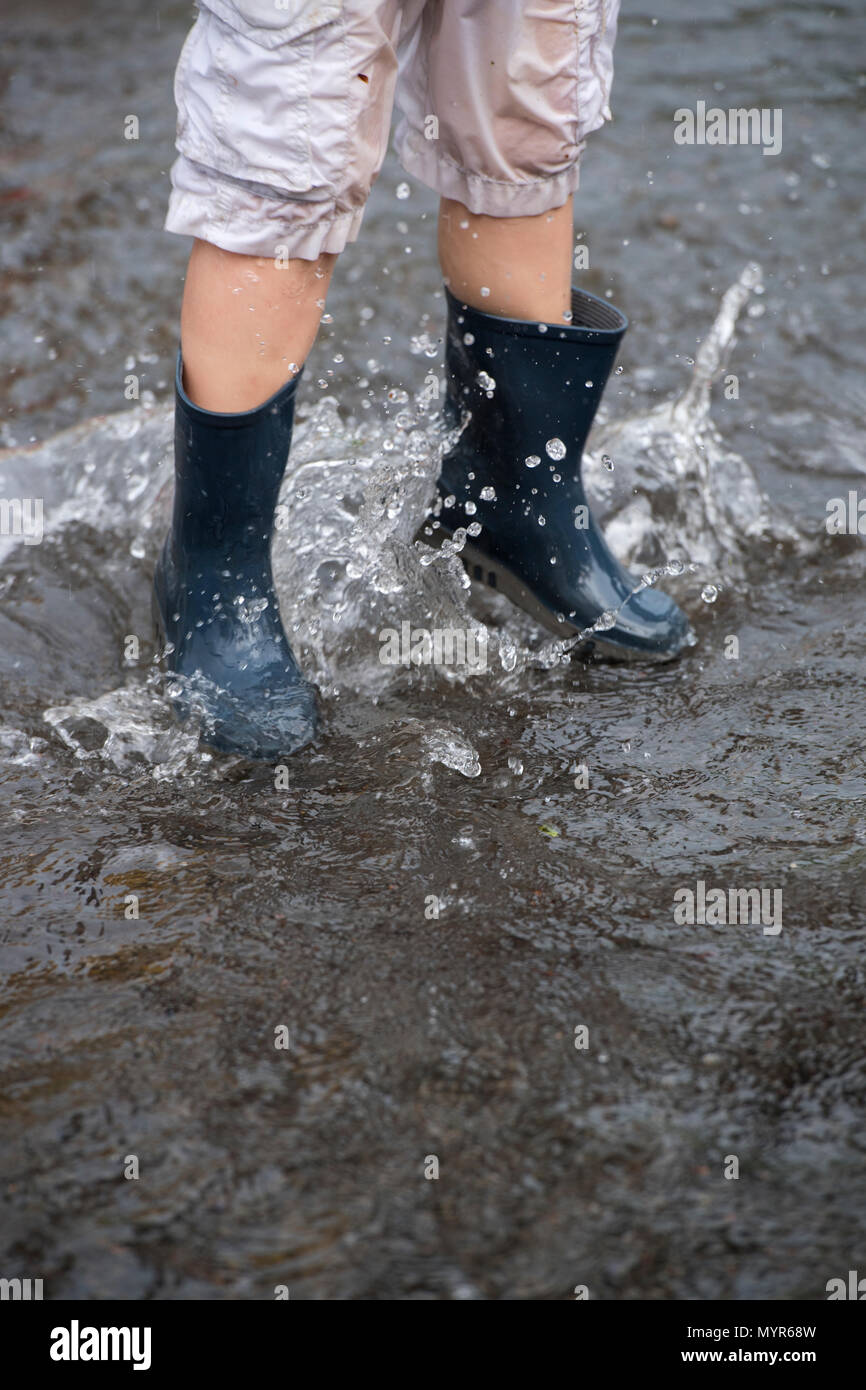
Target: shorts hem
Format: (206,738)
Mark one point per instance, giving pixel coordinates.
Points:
(483,195)
(271,230)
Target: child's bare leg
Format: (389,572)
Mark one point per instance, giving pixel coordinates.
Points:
(518,267)
(247,324)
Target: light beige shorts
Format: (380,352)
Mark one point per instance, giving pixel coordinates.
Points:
(284,109)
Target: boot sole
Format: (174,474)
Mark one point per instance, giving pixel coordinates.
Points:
(494,575)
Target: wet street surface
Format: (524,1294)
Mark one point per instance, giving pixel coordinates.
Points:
(431,939)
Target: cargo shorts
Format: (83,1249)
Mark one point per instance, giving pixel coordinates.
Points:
(284,111)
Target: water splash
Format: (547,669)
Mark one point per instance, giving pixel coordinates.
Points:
(129,728)
(345,559)
(451,748)
(678,490)
(107,472)
(351,568)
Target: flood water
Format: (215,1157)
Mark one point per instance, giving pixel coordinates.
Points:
(302,901)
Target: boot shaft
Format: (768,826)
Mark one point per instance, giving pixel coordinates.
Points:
(549,379)
(228,471)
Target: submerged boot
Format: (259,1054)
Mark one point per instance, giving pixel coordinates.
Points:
(213,589)
(513,479)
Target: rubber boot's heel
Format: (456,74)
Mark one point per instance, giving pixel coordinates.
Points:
(493,575)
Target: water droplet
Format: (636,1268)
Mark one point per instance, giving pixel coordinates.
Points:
(474,528)
(402,190)
(532,460)
(555,448)
(542,328)
(470,508)
(674,567)
(589,383)
(453,750)
(485,292)
(617,371)
(485,381)
(469,339)
(605,621)
(709,593)
(608,462)
(516,766)
(422,342)
(542,521)
(650,578)
(488,494)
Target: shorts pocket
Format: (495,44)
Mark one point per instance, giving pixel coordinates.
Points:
(273,22)
(243,89)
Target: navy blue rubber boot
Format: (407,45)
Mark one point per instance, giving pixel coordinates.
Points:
(213,591)
(513,479)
